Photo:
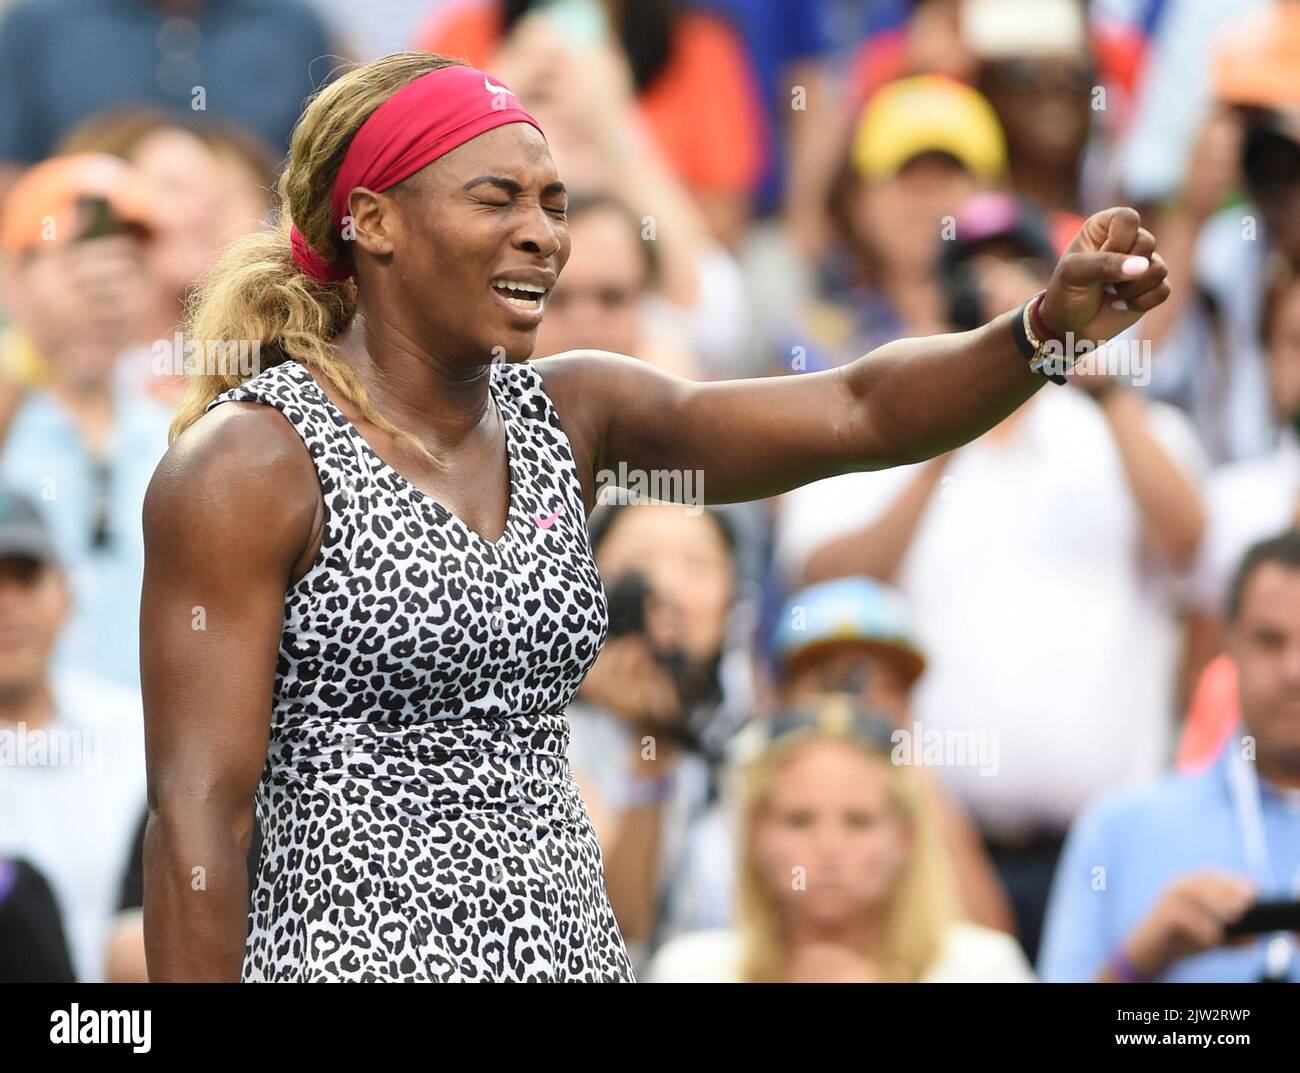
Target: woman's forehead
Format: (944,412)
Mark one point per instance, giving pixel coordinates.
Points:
(515,150)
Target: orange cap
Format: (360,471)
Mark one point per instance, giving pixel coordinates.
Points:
(45,204)
(1257,59)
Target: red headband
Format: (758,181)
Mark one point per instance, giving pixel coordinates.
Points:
(419,123)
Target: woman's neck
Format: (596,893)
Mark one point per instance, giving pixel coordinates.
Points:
(414,388)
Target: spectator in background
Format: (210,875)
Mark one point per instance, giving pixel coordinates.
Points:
(956,37)
(210,184)
(787,46)
(908,37)
(1249,500)
(72,775)
(653,717)
(1152,877)
(842,875)
(1066,525)
(854,635)
(922,146)
(1061,75)
(693,84)
(849,635)
(63,60)
(73,236)
(604,299)
(1211,361)
(1041,82)
(788,42)
(1245,502)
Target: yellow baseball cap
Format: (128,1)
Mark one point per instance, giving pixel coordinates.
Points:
(48,203)
(924,114)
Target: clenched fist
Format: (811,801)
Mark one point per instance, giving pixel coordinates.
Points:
(1108,277)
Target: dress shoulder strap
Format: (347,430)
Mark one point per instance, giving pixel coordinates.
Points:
(292,390)
(326,434)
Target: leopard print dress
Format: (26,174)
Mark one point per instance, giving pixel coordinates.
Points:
(419,817)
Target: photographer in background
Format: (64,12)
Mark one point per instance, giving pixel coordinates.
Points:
(1220,250)
(669,689)
(74,238)
(1152,880)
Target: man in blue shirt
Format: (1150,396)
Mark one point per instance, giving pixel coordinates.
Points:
(1151,879)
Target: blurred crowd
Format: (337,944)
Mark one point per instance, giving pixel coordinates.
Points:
(1029,710)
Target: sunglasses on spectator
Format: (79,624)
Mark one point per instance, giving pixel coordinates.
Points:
(836,713)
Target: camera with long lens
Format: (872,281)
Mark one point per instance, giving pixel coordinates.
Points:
(628,598)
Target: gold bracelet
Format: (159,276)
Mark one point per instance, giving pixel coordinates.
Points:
(1034,341)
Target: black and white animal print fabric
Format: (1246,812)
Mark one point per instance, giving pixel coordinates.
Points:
(419,816)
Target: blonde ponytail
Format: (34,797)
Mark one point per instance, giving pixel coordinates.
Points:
(255,296)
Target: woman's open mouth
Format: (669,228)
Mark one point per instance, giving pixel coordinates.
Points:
(529,296)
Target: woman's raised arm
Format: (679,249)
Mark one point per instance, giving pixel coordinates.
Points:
(904,402)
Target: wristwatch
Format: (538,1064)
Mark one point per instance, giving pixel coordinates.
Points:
(1045,351)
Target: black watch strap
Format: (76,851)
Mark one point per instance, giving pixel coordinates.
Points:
(1020,332)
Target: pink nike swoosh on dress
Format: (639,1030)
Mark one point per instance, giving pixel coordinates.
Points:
(546,521)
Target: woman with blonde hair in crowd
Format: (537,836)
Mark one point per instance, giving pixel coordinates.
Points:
(842,872)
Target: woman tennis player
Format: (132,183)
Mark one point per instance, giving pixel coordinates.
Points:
(369,595)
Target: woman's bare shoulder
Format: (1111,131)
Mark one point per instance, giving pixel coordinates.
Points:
(239,469)
(582,368)
(587,386)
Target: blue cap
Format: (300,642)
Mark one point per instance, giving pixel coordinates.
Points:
(23,532)
(849,609)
